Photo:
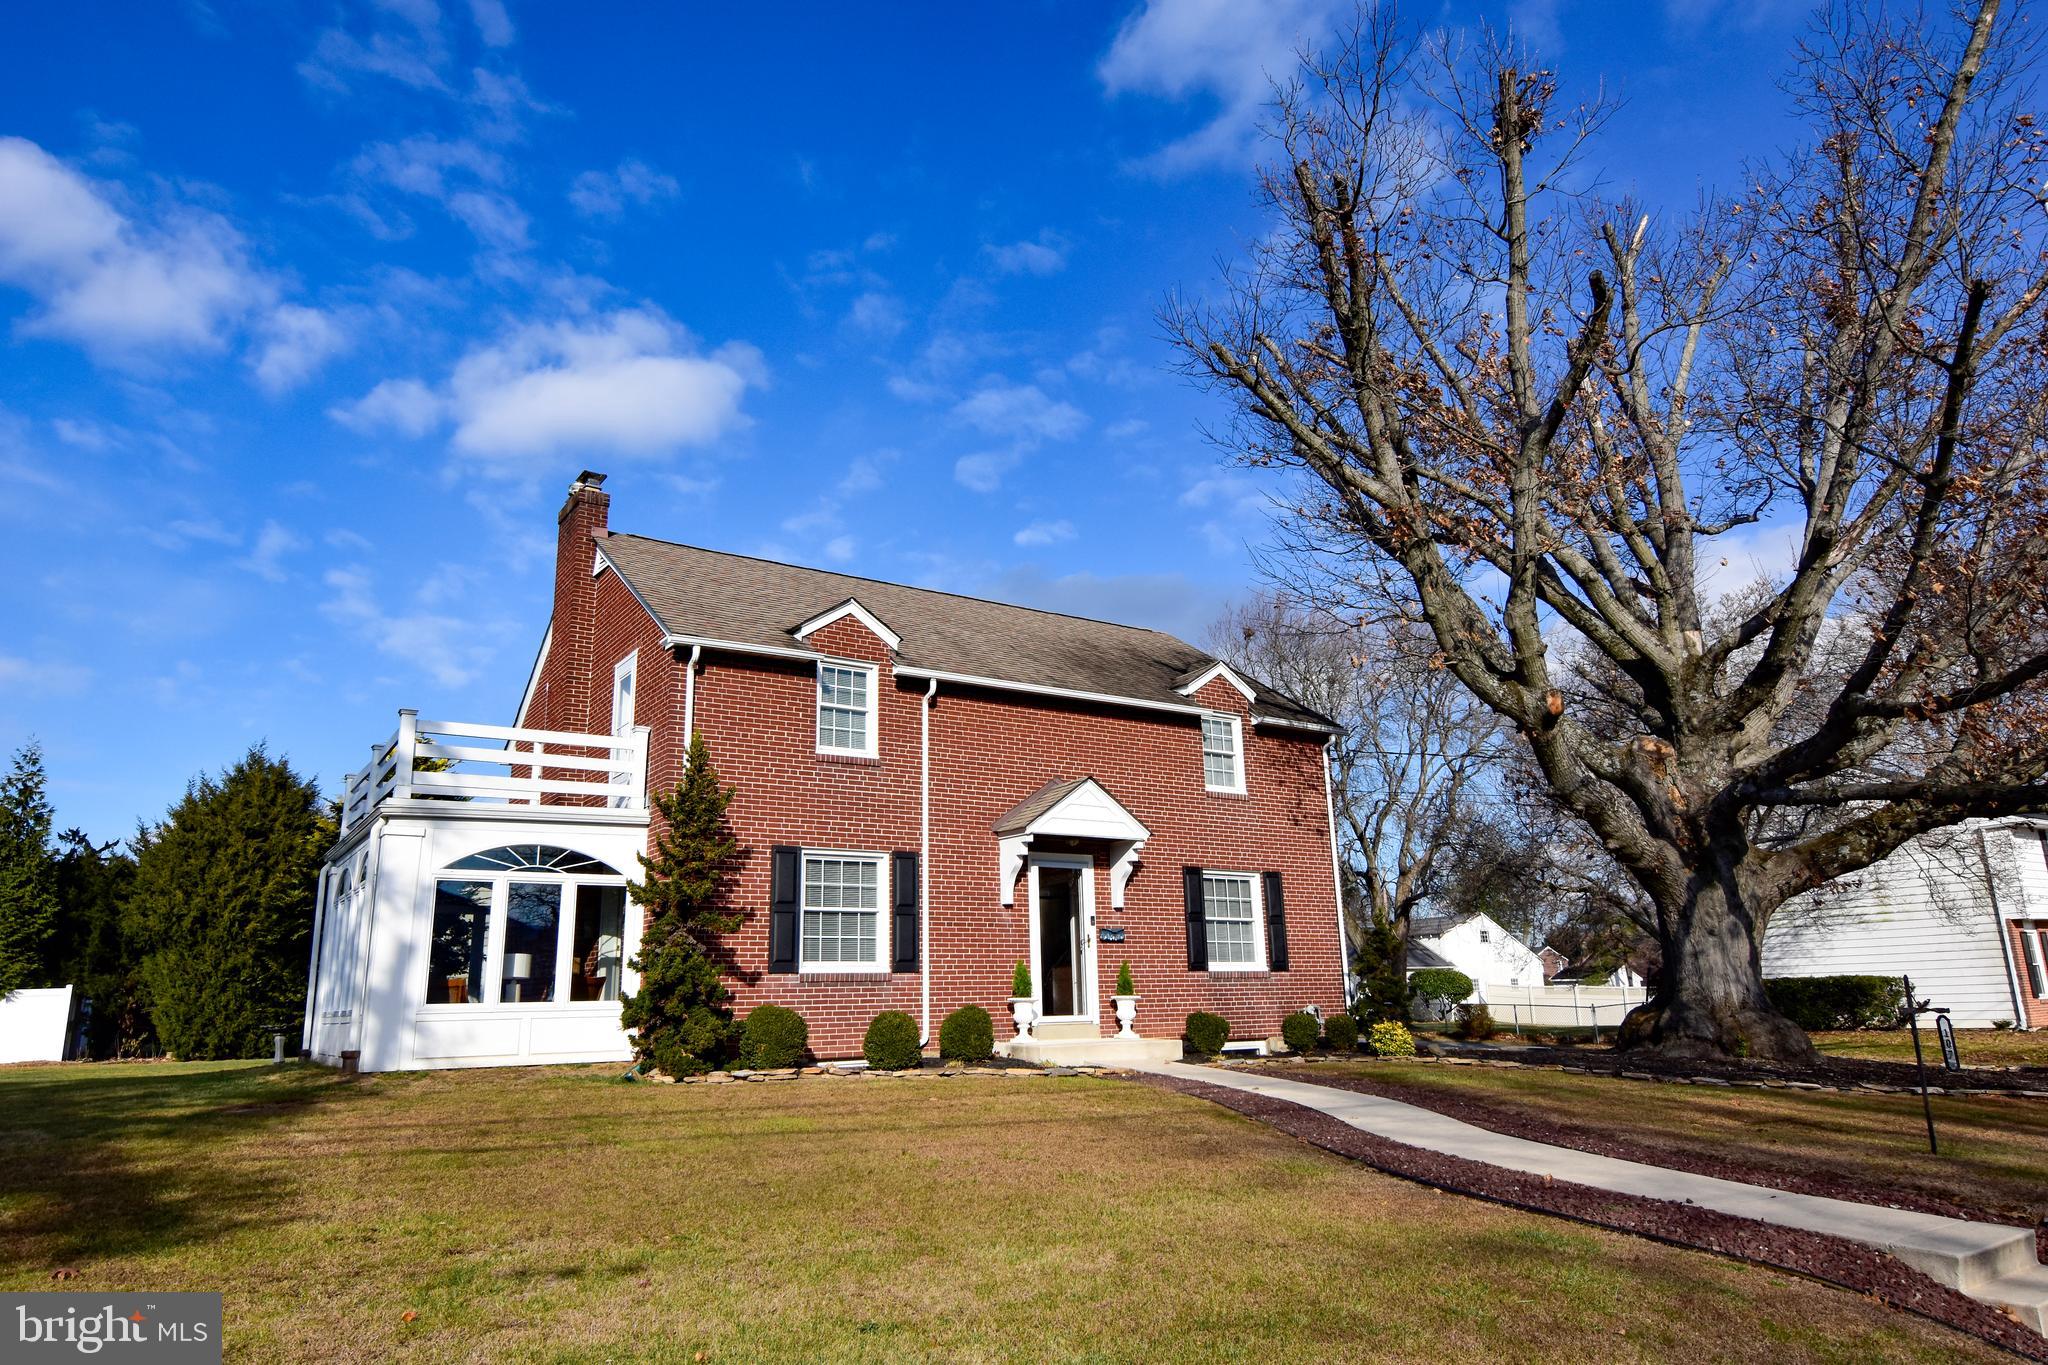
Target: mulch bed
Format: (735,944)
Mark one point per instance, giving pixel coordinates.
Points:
(1849,1265)
(1844,1072)
(1482,1112)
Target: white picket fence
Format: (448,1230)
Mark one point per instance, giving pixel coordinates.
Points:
(524,767)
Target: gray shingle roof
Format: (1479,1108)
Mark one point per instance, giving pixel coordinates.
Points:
(712,595)
(1421,956)
(1430,926)
(1036,804)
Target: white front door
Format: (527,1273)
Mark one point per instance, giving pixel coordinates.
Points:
(1063,937)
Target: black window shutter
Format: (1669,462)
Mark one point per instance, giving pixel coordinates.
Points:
(782,912)
(1276,925)
(903,878)
(1198,932)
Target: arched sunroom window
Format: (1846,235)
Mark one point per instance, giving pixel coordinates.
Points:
(527,924)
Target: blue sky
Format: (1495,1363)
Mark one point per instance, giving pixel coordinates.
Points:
(310,312)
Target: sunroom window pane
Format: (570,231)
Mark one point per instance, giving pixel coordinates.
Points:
(600,943)
(462,935)
(533,926)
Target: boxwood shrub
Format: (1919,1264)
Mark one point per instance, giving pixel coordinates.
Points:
(967,1035)
(1839,1002)
(1207,1033)
(1340,1033)
(773,1037)
(891,1042)
(1302,1031)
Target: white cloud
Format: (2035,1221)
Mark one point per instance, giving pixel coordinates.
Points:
(627,383)
(83,434)
(608,194)
(1126,429)
(107,281)
(493,24)
(405,406)
(983,472)
(1225,51)
(273,543)
(423,165)
(1047,255)
(405,45)
(839,549)
(1000,408)
(494,218)
(448,649)
(876,314)
(41,677)
(1045,533)
(295,342)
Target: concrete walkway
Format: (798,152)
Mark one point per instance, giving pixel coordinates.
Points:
(1987,1261)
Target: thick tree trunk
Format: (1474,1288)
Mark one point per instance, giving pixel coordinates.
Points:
(1708,1001)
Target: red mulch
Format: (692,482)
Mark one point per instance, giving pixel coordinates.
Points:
(1847,1264)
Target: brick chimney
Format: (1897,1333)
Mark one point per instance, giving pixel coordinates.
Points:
(569,678)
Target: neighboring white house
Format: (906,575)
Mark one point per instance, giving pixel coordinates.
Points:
(1963,911)
(1476,945)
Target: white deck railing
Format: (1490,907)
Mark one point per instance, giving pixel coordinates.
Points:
(429,760)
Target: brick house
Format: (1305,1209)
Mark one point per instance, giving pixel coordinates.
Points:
(929,789)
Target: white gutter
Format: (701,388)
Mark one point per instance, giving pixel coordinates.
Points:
(690,697)
(2012,969)
(1336,874)
(924,870)
(735,647)
(1042,690)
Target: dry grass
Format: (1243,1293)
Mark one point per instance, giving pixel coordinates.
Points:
(1975,1046)
(559,1216)
(1994,1151)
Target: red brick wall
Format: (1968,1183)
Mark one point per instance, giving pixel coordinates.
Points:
(989,750)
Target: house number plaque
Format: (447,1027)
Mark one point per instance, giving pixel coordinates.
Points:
(1110,935)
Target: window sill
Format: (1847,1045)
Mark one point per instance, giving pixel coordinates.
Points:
(866,976)
(1238,792)
(851,760)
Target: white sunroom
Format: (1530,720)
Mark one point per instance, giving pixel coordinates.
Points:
(473,911)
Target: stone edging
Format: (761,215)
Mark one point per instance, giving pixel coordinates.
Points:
(836,1071)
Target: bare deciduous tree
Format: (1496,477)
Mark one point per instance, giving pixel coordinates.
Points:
(1536,413)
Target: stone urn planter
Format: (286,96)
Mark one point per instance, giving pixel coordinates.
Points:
(1126,1012)
(1022,1012)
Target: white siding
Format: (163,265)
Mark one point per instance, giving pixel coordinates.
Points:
(1926,911)
(1501,960)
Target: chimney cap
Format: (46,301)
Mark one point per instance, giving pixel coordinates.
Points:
(590,478)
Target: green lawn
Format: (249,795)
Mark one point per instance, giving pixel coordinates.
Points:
(556,1215)
(1994,1151)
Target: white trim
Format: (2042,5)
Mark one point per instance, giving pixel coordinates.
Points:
(1084,958)
(672,641)
(1208,675)
(1236,755)
(1998,922)
(2030,941)
(873,712)
(883,904)
(1258,886)
(1336,872)
(1041,690)
(540,660)
(626,671)
(924,868)
(850,607)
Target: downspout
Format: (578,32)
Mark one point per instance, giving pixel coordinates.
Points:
(2012,971)
(690,697)
(1336,876)
(924,869)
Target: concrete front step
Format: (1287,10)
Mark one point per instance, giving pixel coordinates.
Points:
(1066,1030)
(2023,1293)
(1092,1051)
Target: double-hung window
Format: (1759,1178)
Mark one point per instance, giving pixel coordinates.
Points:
(1230,920)
(842,912)
(1222,762)
(846,709)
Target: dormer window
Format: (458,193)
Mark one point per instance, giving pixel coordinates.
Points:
(1222,760)
(846,721)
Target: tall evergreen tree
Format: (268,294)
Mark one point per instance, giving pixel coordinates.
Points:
(222,910)
(683,1011)
(28,900)
(89,949)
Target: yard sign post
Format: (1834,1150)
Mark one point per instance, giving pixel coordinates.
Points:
(1913,1008)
